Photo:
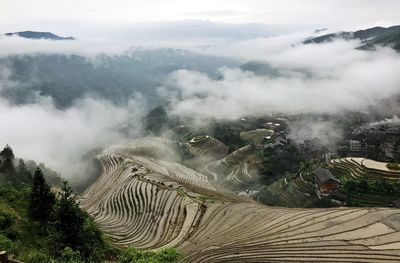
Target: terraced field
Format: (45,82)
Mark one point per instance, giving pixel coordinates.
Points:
(256,136)
(293,192)
(238,168)
(145,200)
(206,149)
(361,168)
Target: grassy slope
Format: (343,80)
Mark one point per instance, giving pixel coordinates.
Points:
(22,240)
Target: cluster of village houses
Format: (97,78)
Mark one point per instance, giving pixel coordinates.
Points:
(384,140)
(277,139)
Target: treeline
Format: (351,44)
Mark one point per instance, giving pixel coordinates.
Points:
(18,172)
(381,187)
(277,162)
(8,172)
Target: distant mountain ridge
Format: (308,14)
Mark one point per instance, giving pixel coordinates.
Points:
(369,38)
(66,78)
(38,35)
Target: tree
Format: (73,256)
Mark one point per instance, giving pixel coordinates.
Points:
(73,228)
(267,197)
(41,201)
(350,186)
(156,120)
(343,151)
(276,162)
(384,188)
(7,153)
(23,174)
(231,137)
(396,187)
(7,165)
(68,220)
(363,186)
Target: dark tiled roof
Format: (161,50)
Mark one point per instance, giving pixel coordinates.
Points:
(324,175)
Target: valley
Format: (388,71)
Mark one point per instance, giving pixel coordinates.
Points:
(200,132)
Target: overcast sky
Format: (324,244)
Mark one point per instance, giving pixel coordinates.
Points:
(343,78)
(77,17)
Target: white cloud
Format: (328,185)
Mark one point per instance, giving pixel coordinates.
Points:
(19,45)
(312,78)
(326,78)
(60,138)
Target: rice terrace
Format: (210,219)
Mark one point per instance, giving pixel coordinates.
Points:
(146,201)
(188,131)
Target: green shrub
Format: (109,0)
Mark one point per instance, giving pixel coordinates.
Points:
(168,255)
(37,256)
(93,246)
(393,166)
(6,220)
(68,255)
(71,237)
(5,243)
(130,255)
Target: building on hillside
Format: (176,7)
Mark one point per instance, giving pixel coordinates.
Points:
(325,181)
(355,146)
(388,148)
(379,142)
(274,142)
(314,149)
(358,134)
(275,126)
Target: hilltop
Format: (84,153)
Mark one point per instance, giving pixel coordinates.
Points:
(369,38)
(38,35)
(116,78)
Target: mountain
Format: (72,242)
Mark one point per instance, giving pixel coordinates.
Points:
(114,78)
(260,68)
(369,38)
(38,35)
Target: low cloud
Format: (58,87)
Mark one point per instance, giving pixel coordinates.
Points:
(60,138)
(326,78)
(202,36)
(17,45)
(327,132)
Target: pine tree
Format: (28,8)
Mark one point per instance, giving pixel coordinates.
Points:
(23,174)
(7,153)
(7,165)
(42,200)
(68,220)
(73,228)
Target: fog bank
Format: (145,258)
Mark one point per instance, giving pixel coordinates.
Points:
(325,78)
(60,138)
